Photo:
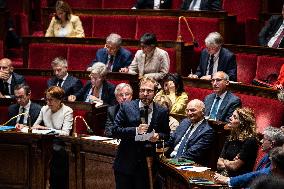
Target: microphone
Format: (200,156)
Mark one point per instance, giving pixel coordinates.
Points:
(16,116)
(142,116)
(179,36)
(89,130)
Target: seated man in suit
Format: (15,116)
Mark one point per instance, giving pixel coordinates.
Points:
(113,55)
(133,120)
(210,5)
(8,79)
(123,93)
(150,61)
(70,84)
(153,4)
(215,58)
(24,105)
(271,35)
(221,104)
(273,138)
(193,137)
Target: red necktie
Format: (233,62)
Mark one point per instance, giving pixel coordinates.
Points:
(278,40)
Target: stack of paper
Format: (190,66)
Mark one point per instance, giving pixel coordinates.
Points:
(97,138)
(193,168)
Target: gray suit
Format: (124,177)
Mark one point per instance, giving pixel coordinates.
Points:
(227,107)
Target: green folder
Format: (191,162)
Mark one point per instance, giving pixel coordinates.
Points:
(178,162)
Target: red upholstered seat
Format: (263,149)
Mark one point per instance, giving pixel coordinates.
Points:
(80,125)
(267,111)
(200,27)
(1,49)
(133,50)
(172,56)
(197,93)
(41,55)
(38,85)
(165,28)
(122,25)
(86,4)
(176,4)
(87,23)
(80,56)
(243,8)
(118,4)
(4,114)
(252,29)
(246,67)
(267,65)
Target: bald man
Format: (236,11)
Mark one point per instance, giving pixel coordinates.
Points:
(8,79)
(193,136)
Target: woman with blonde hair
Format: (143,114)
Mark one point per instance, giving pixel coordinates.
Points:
(240,149)
(64,23)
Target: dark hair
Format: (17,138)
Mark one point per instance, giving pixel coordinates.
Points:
(63,6)
(26,88)
(267,181)
(149,39)
(176,78)
(55,92)
(277,157)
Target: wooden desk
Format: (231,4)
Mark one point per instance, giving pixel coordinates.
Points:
(26,158)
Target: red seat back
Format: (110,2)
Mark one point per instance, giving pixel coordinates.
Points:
(197,93)
(123,25)
(80,56)
(118,4)
(165,28)
(38,86)
(86,4)
(246,67)
(200,27)
(87,23)
(267,65)
(4,114)
(176,4)
(41,55)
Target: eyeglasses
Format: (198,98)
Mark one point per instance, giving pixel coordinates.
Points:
(217,80)
(124,94)
(20,97)
(94,77)
(148,91)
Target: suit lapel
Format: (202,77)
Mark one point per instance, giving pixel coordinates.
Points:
(66,83)
(210,102)
(116,61)
(221,60)
(182,132)
(223,105)
(197,131)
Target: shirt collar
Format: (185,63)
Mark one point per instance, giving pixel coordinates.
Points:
(27,106)
(141,105)
(222,96)
(9,81)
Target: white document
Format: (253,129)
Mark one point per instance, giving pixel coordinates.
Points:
(144,137)
(97,138)
(193,168)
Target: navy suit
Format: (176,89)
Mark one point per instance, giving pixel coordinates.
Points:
(198,143)
(16,79)
(263,168)
(211,5)
(108,96)
(111,113)
(13,110)
(71,85)
(227,63)
(226,108)
(131,155)
(149,4)
(123,58)
(269,30)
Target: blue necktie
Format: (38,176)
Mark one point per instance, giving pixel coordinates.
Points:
(214,111)
(184,142)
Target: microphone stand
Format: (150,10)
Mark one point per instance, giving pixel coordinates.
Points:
(12,118)
(179,36)
(89,130)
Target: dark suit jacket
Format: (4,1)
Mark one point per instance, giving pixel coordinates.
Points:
(227,63)
(198,143)
(111,113)
(132,153)
(13,110)
(149,4)
(16,79)
(269,30)
(123,58)
(211,5)
(227,107)
(71,85)
(108,96)
(245,179)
